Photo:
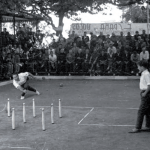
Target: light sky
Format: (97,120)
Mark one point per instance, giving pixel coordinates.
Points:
(96,18)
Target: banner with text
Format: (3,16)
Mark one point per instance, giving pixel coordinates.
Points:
(109,28)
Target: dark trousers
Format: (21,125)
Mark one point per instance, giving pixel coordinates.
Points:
(27,86)
(144,110)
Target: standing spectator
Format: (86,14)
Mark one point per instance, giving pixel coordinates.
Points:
(144,35)
(61,61)
(101,36)
(129,37)
(126,61)
(73,36)
(136,35)
(52,63)
(93,61)
(110,56)
(86,60)
(85,37)
(79,60)
(114,39)
(135,58)
(122,39)
(144,55)
(70,60)
(102,62)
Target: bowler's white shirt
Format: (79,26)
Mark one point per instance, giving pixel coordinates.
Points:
(144,80)
(22,78)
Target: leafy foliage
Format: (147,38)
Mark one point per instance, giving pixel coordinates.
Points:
(136,14)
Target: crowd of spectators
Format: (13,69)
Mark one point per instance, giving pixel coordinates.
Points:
(83,55)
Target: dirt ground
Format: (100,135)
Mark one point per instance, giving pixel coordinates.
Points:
(96,115)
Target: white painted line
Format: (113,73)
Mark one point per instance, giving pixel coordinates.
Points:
(21,147)
(85,116)
(2,147)
(102,125)
(75,107)
(3,109)
(5,83)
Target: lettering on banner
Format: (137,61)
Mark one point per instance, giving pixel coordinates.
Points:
(129,27)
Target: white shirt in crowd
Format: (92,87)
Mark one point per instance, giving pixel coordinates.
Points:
(144,80)
(53,58)
(113,49)
(22,78)
(144,56)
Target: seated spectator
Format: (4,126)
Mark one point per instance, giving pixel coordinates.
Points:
(51,49)
(61,61)
(52,63)
(67,47)
(41,62)
(26,48)
(79,59)
(3,61)
(111,48)
(144,55)
(137,47)
(20,48)
(118,61)
(74,48)
(79,42)
(70,61)
(108,38)
(135,58)
(102,62)
(16,62)
(9,65)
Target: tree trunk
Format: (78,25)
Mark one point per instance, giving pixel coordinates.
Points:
(61,17)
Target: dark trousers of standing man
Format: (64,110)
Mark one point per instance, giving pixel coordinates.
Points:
(144,110)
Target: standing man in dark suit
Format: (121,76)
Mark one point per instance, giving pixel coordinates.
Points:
(85,37)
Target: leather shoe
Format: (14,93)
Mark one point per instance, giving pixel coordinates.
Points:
(135,131)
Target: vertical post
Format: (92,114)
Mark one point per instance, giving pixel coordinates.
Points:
(8,108)
(34,109)
(24,113)
(52,114)
(60,116)
(43,120)
(13,118)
